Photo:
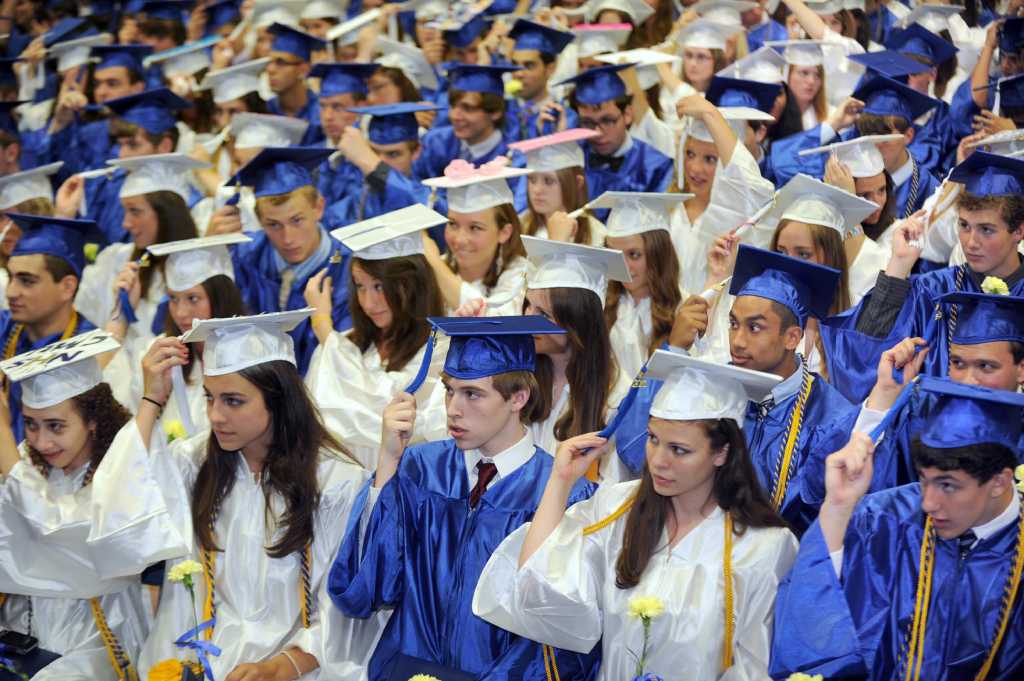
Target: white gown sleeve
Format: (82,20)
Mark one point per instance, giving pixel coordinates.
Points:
(511,285)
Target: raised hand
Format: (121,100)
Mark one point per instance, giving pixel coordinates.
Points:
(575,455)
(848,472)
(691,320)
(162,355)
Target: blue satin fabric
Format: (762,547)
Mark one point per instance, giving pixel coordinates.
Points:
(645,170)
(934,145)
(103,204)
(853,356)
(521,120)
(24,345)
(337,182)
(927,184)
(759,35)
(82,146)
(311,112)
(785,161)
(423,553)
(440,147)
(856,627)
(259,281)
(400,191)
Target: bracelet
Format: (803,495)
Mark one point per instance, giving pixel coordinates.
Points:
(298,672)
(152,401)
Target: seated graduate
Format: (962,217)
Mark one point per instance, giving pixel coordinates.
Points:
(353,375)
(45,269)
(696,536)
(273,269)
(535,51)
(257,500)
(26,191)
(921,581)
(52,591)
(287,71)
(434,513)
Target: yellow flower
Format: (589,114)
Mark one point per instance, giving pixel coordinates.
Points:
(995,286)
(513,86)
(175,430)
(646,607)
(91,251)
(167,670)
(800,676)
(185,568)
(424,677)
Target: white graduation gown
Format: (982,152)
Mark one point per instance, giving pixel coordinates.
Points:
(863,272)
(142,515)
(631,333)
(49,516)
(509,289)
(566,596)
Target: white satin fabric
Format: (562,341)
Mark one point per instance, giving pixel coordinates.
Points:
(863,272)
(44,559)
(566,596)
(511,285)
(631,333)
(352,388)
(141,514)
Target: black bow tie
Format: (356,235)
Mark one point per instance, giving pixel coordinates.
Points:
(611,162)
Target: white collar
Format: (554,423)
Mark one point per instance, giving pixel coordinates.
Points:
(904,172)
(626,146)
(481,149)
(1008,516)
(507,461)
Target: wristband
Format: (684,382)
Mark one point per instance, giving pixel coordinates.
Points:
(298,672)
(152,401)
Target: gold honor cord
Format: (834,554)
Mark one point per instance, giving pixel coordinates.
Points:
(123,667)
(796,419)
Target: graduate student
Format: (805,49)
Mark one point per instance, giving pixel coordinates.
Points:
(535,51)
(695,533)
(54,592)
(435,512)
(289,66)
(896,577)
(256,499)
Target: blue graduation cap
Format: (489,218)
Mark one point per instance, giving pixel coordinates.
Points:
(337,78)
(985,174)
(889,63)
(737,92)
(487,346)
(295,42)
(986,318)
(886,97)
(805,288)
(393,123)
(969,415)
(465,35)
(280,170)
(59,237)
(171,10)
(479,78)
(1011,93)
(7,121)
(529,35)
(220,14)
(128,56)
(67,29)
(598,85)
(1011,35)
(152,110)
(920,42)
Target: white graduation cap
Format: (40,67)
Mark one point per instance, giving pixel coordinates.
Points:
(475,191)
(184,60)
(933,17)
(805,199)
(800,52)
(252,130)
(321,9)
(156,173)
(73,53)
(392,235)
(347,32)
(594,39)
(646,62)
(638,212)
(764,65)
(550,153)
(1004,143)
(236,81)
(825,7)
(409,59)
(726,12)
(854,4)
(267,12)
(735,116)
(637,10)
(860,155)
(190,262)
(566,265)
(27,184)
(695,390)
(424,9)
(61,370)
(238,343)
(706,34)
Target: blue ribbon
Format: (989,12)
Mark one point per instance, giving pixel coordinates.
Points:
(421,375)
(190,640)
(624,405)
(126,306)
(894,410)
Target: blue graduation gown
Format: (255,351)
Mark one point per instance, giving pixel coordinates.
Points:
(927,184)
(335,182)
(422,555)
(259,281)
(962,108)
(521,120)
(103,204)
(311,112)
(785,161)
(7,326)
(855,627)
(440,147)
(853,356)
(758,36)
(82,145)
(934,145)
(645,169)
(365,203)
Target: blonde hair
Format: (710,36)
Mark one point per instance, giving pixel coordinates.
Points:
(307,191)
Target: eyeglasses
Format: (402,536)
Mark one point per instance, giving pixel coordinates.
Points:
(604,123)
(280,62)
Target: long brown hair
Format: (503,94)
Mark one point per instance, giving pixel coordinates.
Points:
(95,406)
(173,223)
(225,301)
(412,294)
(735,488)
(663,283)
(591,370)
(573,183)
(504,214)
(298,436)
(655,29)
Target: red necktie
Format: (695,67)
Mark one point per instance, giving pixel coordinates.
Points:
(485,472)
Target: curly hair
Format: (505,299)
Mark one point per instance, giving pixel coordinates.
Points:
(96,406)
